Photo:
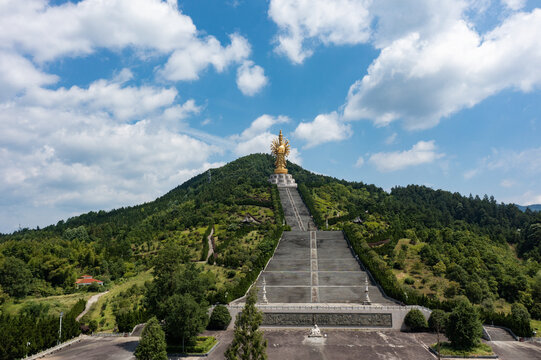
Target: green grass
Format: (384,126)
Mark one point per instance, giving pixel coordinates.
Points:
(106,318)
(446,349)
(536,326)
(56,304)
(202,345)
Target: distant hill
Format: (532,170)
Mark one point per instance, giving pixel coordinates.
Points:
(536,207)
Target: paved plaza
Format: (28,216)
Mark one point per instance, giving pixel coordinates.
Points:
(98,348)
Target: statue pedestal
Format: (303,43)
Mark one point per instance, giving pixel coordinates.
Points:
(283,180)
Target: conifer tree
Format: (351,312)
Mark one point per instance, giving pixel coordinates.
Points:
(248,342)
(152,344)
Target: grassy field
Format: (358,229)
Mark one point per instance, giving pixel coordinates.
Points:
(55,304)
(479,350)
(102,311)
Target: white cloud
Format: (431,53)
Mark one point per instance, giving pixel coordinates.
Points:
(514,4)
(18,73)
(251,78)
(526,161)
(123,102)
(67,151)
(360,162)
(424,152)
(421,79)
(304,22)
(324,128)
(46,32)
(188,62)
(257,137)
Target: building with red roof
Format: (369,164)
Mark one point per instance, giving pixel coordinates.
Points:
(86,280)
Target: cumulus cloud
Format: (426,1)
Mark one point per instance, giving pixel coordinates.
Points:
(46,32)
(424,152)
(18,73)
(421,80)
(514,4)
(188,62)
(72,150)
(324,128)
(305,22)
(251,78)
(257,137)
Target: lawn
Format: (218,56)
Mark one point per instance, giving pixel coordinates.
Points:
(479,350)
(203,345)
(55,304)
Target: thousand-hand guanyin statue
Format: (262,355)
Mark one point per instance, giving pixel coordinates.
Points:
(280,149)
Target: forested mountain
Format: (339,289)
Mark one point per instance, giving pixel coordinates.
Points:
(439,244)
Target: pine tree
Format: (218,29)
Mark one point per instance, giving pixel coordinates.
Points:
(248,342)
(152,344)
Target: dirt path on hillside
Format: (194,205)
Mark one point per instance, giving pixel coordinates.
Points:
(89,303)
(211,249)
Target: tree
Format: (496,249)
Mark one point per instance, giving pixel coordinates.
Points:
(463,327)
(152,345)
(415,320)
(185,318)
(248,342)
(15,277)
(436,323)
(520,319)
(220,318)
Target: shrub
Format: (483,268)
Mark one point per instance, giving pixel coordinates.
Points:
(436,321)
(409,281)
(415,320)
(220,318)
(520,320)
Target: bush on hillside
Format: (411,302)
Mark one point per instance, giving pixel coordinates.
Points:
(220,318)
(415,320)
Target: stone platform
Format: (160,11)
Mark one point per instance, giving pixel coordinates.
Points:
(283,180)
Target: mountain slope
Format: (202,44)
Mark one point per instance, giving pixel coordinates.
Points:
(438,243)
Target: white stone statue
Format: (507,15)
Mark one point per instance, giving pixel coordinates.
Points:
(315,332)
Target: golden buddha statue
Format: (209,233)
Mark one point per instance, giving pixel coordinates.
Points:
(280,149)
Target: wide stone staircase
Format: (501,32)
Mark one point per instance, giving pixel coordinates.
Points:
(315,278)
(311,266)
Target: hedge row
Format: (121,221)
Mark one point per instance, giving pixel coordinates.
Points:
(26,335)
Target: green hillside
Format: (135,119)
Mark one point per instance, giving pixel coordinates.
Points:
(430,244)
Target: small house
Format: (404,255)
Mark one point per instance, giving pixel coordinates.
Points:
(86,280)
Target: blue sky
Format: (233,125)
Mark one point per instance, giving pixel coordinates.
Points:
(106,104)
